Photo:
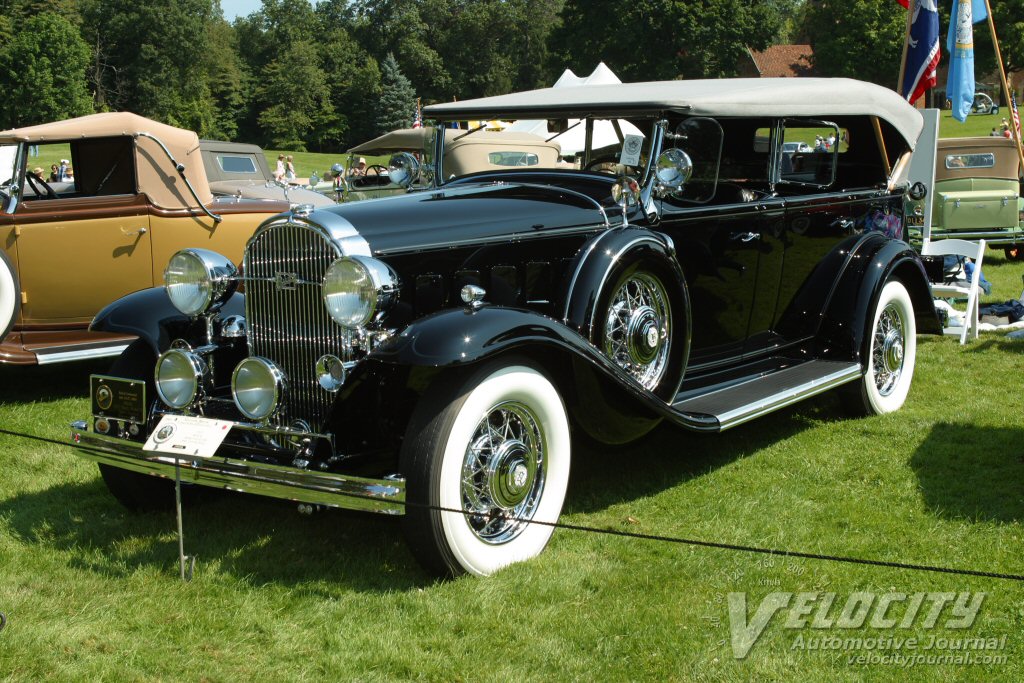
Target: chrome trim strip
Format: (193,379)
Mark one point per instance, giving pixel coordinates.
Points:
(738,416)
(385,496)
(48,357)
(341,231)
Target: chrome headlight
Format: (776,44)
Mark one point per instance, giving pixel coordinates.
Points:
(199,280)
(356,288)
(178,373)
(257,385)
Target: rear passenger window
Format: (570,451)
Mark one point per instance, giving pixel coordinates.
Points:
(809,150)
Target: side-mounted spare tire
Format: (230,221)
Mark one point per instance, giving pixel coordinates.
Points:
(10,295)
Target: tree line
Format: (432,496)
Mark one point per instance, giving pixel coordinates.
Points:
(323,78)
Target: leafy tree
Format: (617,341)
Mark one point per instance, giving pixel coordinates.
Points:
(662,39)
(43,66)
(293,97)
(354,79)
(856,38)
(150,58)
(397,103)
(227,80)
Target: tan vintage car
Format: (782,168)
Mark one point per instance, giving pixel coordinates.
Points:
(466,152)
(127,194)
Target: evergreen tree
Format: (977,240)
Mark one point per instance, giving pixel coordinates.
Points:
(43,67)
(397,103)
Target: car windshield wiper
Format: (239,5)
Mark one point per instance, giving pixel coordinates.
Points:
(470,132)
(565,131)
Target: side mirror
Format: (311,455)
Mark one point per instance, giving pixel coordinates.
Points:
(674,169)
(917,191)
(403,169)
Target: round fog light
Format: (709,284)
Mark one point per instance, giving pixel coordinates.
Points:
(177,377)
(257,385)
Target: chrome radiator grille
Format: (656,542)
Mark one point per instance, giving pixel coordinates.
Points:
(287,323)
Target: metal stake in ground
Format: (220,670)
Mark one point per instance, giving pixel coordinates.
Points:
(183,559)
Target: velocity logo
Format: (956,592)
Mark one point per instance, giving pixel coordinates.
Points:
(819,610)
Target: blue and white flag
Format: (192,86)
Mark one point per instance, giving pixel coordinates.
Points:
(960,44)
(922,50)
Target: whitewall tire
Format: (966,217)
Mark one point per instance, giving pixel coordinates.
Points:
(9,295)
(495,447)
(892,351)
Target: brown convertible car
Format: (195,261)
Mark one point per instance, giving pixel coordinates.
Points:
(70,244)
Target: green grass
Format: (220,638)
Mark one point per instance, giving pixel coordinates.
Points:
(91,591)
(976,125)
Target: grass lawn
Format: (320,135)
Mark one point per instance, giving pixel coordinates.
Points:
(91,591)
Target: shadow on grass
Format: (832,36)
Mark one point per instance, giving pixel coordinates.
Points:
(670,456)
(29,383)
(259,541)
(265,541)
(972,473)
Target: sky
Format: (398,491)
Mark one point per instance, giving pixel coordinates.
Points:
(241,8)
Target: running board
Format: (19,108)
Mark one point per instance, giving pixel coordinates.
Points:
(758,396)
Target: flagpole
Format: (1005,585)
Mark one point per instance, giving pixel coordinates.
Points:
(906,42)
(1002,75)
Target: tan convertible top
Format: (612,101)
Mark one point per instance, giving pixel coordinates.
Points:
(820,97)
(157,177)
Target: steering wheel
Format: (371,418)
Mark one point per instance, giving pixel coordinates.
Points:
(377,170)
(32,179)
(609,159)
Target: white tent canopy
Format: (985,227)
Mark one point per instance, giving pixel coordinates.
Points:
(575,140)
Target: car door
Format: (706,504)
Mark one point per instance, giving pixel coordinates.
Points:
(82,241)
(76,255)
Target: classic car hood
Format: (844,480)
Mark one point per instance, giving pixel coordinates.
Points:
(252,189)
(465,214)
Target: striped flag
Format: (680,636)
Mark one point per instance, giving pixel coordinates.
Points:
(922,53)
(1016,116)
(417,119)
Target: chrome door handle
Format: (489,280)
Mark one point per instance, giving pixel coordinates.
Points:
(137,232)
(747,236)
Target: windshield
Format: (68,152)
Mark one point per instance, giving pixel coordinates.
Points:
(616,146)
(8,166)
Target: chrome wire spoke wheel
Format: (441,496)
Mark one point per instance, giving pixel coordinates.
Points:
(503,472)
(888,349)
(637,328)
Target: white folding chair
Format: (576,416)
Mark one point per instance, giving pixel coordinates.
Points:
(959,288)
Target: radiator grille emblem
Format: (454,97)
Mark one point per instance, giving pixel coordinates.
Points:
(285,281)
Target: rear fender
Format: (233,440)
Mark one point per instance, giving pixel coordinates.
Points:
(844,329)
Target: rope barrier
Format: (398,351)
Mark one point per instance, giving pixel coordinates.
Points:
(652,537)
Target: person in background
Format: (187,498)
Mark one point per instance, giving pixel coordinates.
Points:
(53,173)
(289,169)
(62,170)
(279,169)
(359,169)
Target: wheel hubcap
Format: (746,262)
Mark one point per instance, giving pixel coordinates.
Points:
(888,350)
(637,328)
(503,472)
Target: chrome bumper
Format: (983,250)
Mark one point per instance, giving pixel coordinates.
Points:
(385,496)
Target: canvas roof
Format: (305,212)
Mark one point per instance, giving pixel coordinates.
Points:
(157,177)
(721,97)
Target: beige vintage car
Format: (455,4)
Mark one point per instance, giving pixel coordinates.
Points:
(465,152)
(70,244)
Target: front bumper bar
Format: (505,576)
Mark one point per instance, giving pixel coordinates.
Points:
(288,483)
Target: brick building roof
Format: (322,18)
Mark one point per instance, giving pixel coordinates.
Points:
(782,61)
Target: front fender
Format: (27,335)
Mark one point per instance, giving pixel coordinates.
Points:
(607,402)
(150,315)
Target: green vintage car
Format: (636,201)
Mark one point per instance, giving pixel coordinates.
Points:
(977,194)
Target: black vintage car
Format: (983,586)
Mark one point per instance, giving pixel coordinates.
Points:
(430,354)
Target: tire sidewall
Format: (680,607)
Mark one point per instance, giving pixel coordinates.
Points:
(9,294)
(530,387)
(894,292)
